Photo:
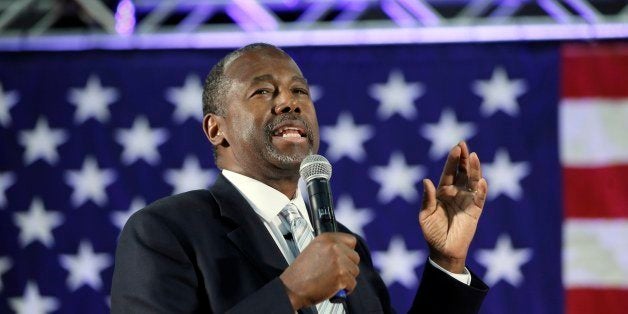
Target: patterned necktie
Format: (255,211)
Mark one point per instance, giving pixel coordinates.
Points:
(301,237)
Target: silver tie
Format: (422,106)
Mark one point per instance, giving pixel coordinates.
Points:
(302,236)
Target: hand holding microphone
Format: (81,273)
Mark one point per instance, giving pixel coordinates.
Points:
(315,170)
(328,267)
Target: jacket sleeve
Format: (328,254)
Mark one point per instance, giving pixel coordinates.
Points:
(437,293)
(441,293)
(155,272)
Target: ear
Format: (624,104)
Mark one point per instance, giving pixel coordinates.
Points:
(212,126)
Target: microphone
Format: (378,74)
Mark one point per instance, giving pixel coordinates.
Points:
(316,172)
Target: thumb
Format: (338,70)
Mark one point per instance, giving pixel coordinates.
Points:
(428,205)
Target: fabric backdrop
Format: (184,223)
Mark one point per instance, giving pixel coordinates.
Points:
(87,138)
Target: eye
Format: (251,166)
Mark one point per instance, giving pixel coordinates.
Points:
(262,91)
(301,91)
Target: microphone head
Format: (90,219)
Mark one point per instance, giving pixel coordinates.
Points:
(315,166)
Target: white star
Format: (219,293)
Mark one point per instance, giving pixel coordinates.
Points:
(119,218)
(316,93)
(396,96)
(505,176)
(36,224)
(140,142)
(85,267)
(8,99)
(446,133)
(397,179)
(353,218)
(5,265)
(92,101)
(7,179)
(89,183)
(42,142)
(32,302)
(188,99)
(190,177)
(499,93)
(346,138)
(398,263)
(503,262)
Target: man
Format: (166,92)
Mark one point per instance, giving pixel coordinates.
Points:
(228,249)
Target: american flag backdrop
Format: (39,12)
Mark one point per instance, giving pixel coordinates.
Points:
(87,138)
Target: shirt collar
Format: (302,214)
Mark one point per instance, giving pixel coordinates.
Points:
(265,200)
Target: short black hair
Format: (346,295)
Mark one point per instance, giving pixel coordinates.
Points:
(217,84)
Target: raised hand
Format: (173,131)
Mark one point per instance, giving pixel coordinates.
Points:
(327,265)
(450,213)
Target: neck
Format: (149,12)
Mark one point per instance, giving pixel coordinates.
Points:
(281,180)
(287,187)
(284,179)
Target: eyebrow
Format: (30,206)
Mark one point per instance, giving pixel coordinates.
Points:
(270,77)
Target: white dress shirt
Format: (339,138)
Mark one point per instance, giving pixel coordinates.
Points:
(268,202)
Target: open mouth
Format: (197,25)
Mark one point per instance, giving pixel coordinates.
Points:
(289,131)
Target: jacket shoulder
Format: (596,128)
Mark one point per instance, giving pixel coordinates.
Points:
(177,210)
(182,202)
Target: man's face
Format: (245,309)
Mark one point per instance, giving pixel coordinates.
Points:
(270,119)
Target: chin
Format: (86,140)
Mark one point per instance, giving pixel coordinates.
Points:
(288,161)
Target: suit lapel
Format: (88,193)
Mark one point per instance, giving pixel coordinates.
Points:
(249,235)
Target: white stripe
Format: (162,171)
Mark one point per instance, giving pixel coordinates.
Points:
(595,253)
(593,132)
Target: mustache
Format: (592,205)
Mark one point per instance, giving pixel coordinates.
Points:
(270,126)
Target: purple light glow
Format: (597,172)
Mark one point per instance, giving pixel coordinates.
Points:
(420,11)
(350,13)
(586,12)
(554,10)
(241,18)
(257,14)
(125,17)
(314,12)
(357,36)
(291,3)
(398,14)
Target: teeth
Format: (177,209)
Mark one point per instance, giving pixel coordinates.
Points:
(288,132)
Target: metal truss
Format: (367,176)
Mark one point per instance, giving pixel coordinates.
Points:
(122,24)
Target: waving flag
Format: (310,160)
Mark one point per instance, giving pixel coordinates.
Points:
(594,156)
(87,138)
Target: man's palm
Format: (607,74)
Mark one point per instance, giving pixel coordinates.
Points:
(449,214)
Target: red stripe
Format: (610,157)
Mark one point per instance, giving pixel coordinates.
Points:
(595,301)
(596,192)
(595,70)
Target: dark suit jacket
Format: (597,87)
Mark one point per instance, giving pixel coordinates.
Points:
(207,251)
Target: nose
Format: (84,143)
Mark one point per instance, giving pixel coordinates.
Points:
(285,103)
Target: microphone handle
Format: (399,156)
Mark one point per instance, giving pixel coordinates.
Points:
(322,217)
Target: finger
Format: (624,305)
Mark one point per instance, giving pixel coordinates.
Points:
(479,198)
(451,166)
(355,270)
(429,199)
(350,253)
(350,284)
(475,171)
(463,165)
(349,266)
(337,237)
(345,273)
(346,239)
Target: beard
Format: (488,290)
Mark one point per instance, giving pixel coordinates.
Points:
(285,159)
